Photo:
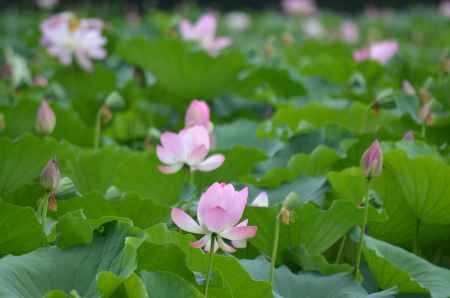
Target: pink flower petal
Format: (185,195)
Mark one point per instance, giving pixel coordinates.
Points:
(225,247)
(261,200)
(170,169)
(198,155)
(197,114)
(185,222)
(165,155)
(201,242)
(211,163)
(240,233)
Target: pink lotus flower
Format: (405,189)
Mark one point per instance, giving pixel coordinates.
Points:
(372,160)
(219,211)
(306,7)
(380,51)
(66,36)
(349,31)
(198,114)
(313,28)
(444,8)
(45,119)
(204,31)
(189,147)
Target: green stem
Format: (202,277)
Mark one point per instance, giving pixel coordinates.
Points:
(210,265)
(424,131)
(356,271)
(192,182)
(341,250)
(42,210)
(275,248)
(98,129)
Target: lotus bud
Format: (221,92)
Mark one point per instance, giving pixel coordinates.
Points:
(197,114)
(45,119)
(115,101)
(425,114)
(424,95)
(372,160)
(50,175)
(52,203)
(408,88)
(289,204)
(409,136)
(287,39)
(107,114)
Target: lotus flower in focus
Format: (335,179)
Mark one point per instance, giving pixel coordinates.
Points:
(189,147)
(306,7)
(204,31)
(219,211)
(372,160)
(349,31)
(45,119)
(66,37)
(380,51)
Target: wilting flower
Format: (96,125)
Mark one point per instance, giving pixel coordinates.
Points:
(238,21)
(313,28)
(306,7)
(380,51)
(46,3)
(45,119)
(219,211)
(189,147)
(409,136)
(408,88)
(66,36)
(204,31)
(444,8)
(50,176)
(349,31)
(372,160)
(198,114)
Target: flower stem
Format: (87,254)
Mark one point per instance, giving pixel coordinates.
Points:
(341,250)
(356,272)
(98,129)
(275,248)
(424,131)
(42,210)
(210,264)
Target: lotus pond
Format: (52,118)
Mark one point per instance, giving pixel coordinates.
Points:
(201,153)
